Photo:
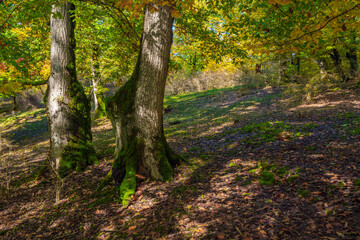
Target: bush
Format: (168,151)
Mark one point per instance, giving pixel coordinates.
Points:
(207,80)
(30,99)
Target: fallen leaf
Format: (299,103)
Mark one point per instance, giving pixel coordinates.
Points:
(139,176)
(340,234)
(220,236)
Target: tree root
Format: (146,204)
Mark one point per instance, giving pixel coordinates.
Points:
(105,181)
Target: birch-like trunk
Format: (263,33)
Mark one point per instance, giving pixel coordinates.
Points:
(136,109)
(323,67)
(68,108)
(95,72)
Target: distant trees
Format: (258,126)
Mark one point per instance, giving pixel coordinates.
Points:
(286,28)
(23,46)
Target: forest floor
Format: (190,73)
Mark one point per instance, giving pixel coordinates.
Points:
(262,166)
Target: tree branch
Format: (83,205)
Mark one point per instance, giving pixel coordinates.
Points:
(2,25)
(323,26)
(129,23)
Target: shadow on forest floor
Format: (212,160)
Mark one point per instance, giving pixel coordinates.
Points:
(262,168)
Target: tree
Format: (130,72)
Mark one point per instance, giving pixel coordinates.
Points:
(24,39)
(107,47)
(68,108)
(136,109)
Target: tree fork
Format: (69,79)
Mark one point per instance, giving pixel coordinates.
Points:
(136,110)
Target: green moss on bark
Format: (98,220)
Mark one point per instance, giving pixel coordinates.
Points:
(165,168)
(100,112)
(125,168)
(46,95)
(79,152)
(128,185)
(124,97)
(77,155)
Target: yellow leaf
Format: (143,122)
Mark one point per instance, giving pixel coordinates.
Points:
(296,33)
(177,14)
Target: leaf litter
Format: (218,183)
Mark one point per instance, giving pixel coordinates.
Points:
(261,167)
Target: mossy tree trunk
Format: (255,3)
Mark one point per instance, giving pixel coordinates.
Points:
(68,107)
(136,109)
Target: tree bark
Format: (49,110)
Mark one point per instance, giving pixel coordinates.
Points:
(323,67)
(337,63)
(136,109)
(68,108)
(15,105)
(282,70)
(95,66)
(351,56)
(298,64)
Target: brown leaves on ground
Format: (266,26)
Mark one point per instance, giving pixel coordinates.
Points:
(222,195)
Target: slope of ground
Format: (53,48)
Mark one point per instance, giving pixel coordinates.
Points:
(262,167)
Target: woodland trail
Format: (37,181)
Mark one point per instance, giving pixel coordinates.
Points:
(262,167)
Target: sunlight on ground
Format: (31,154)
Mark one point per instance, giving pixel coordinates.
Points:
(353,104)
(254,172)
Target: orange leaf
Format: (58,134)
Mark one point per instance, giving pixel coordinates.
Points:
(220,236)
(139,176)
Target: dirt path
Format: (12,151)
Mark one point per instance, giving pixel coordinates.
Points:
(262,167)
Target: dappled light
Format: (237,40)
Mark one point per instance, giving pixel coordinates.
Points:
(125,119)
(246,178)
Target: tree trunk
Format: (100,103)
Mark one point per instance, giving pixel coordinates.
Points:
(351,56)
(95,66)
(258,68)
(323,67)
(15,105)
(295,60)
(298,64)
(337,63)
(282,71)
(136,109)
(68,108)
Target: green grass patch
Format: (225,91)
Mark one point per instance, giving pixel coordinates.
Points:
(270,174)
(195,110)
(179,190)
(352,127)
(12,119)
(267,178)
(274,131)
(357,182)
(303,193)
